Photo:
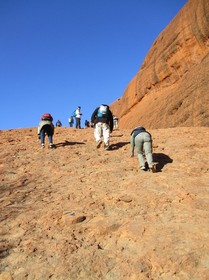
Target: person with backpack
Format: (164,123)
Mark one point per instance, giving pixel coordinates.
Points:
(102,119)
(71,121)
(58,123)
(77,114)
(86,124)
(46,127)
(141,140)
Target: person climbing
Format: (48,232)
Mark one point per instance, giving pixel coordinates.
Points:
(77,115)
(102,119)
(141,140)
(115,122)
(87,124)
(58,123)
(71,121)
(46,127)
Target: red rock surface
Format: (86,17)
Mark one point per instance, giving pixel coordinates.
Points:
(171,87)
(77,212)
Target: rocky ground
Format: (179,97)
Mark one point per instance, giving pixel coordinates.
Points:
(77,212)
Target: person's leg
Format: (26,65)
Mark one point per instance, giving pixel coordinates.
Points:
(148,149)
(50,139)
(139,142)
(98,133)
(49,134)
(42,135)
(106,135)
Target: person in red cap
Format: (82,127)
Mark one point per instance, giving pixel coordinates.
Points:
(46,127)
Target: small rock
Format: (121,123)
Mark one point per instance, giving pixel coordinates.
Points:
(79,219)
(125,198)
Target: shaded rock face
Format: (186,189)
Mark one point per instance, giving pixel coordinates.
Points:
(171,87)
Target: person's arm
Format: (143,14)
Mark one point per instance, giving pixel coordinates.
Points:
(132,142)
(94,115)
(110,120)
(52,128)
(39,128)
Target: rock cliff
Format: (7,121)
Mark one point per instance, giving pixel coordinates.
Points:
(171,87)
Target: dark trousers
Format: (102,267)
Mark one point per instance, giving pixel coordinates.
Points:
(46,129)
(77,122)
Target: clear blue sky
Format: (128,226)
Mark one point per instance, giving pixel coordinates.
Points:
(58,54)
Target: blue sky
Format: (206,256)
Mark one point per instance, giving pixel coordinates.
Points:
(56,55)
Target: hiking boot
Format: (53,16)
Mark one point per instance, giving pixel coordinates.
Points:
(143,168)
(106,147)
(50,146)
(42,145)
(99,142)
(153,168)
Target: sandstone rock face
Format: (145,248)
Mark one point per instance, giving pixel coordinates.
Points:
(80,213)
(171,87)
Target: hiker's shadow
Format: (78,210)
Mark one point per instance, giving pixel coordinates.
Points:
(118,145)
(161,160)
(67,143)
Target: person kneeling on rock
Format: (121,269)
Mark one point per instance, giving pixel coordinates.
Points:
(142,141)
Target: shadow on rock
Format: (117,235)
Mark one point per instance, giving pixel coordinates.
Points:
(161,160)
(118,145)
(67,143)
(4,252)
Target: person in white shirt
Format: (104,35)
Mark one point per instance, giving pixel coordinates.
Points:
(78,115)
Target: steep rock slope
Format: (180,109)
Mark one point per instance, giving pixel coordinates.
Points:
(77,212)
(171,87)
